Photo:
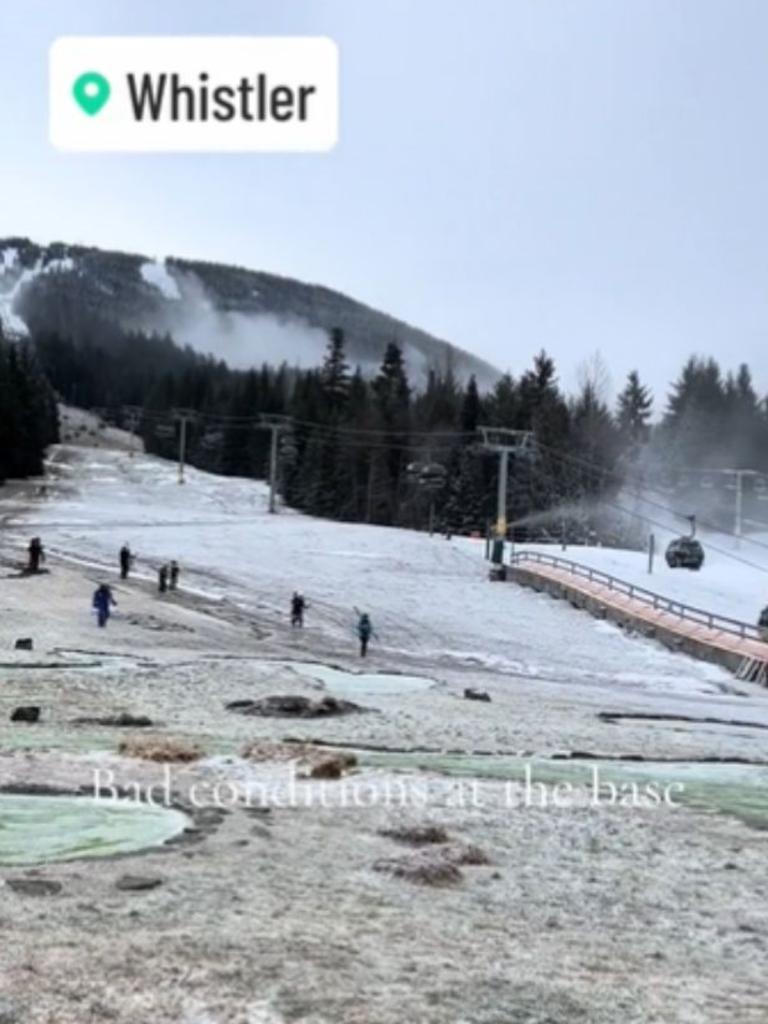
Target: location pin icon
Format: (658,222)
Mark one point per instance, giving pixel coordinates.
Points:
(91,91)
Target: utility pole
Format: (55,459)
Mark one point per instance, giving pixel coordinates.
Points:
(739,524)
(274,424)
(183,416)
(273,469)
(504,442)
(501,495)
(134,417)
(738,476)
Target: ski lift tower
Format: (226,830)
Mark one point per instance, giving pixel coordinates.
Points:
(276,425)
(505,442)
(183,417)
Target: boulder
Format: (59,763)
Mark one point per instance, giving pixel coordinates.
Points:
(34,886)
(160,748)
(333,766)
(137,883)
(472,694)
(29,713)
(421,869)
(416,835)
(294,706)
(121,721)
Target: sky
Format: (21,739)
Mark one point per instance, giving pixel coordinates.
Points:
(577,175)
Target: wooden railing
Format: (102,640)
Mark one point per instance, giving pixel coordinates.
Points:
(656,601)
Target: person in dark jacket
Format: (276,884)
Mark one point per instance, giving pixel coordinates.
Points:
(36,554)
(365,632)
(102,602)
(298,606)
(173,575)
(162,579)
(762,623)
(126,561)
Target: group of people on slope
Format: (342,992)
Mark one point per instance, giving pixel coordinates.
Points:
(104,600)
(167,573)
(168,579)
(364,626)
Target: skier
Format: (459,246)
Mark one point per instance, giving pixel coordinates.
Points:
(762,624)
(298,605)
(126,561)
(102,601)
(365,632)
(162,579)
(36,554)
(174,574)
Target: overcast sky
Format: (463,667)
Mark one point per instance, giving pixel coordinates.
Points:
(577,175)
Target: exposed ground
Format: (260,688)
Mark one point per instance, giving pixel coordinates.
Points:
(597,914)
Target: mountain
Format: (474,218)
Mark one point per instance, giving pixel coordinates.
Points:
(245,317)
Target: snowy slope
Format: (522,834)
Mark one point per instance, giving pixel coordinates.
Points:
(429,598)
(732,582)
(14,278)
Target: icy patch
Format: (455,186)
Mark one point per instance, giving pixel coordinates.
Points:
(158,275)
(351,684)
(45,829)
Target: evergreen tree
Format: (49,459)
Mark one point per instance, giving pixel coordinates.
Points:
(470,409)
(335,372)
(392,396)
(634,412)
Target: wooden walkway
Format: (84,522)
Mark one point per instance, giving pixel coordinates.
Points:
(746,655)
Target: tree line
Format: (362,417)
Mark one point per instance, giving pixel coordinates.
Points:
(382,449)
(28,412)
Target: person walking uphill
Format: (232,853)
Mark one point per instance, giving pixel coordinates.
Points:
(173,575)
(102,602)
(162,579)
(126,561)
(365,632)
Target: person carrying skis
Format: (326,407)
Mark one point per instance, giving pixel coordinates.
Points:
(365,632)
(126,561)
(298,606)
(173,574)
(162,579)
(102,602)
(36,554)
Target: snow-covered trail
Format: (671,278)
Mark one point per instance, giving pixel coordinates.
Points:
(430,600)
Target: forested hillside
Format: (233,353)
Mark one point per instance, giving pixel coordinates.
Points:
(28,415)
(246,316)
(380,449)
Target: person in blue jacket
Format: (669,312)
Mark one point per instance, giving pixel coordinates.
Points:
(102,602)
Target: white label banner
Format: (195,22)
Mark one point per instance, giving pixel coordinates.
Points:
(194,94)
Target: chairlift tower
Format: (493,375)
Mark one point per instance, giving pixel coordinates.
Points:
(275,424)
(183,416)
(505,441)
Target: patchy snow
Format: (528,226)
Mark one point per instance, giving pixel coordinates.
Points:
(429,599)
(158,275)
(11,284)
(13,280)
(577,908)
